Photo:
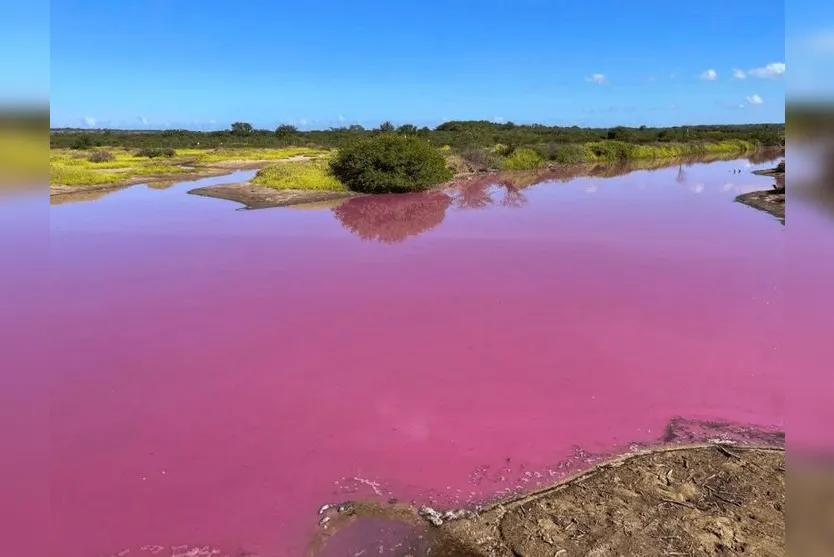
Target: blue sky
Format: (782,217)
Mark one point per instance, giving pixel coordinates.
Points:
(203,64)
(24,43)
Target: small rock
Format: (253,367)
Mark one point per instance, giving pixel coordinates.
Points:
(324,508)
(431,515)
(346,507)
(457,514)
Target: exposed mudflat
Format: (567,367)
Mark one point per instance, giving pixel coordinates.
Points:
(254,196)
(771,201)
(685,501)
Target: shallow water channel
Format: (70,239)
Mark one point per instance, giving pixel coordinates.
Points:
(222,372)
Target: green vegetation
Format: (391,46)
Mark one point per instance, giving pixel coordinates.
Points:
(301,175)
(207,156)
(73,168)
(458,135)
(522,159)
(154,152)
(390,163)
(101,156)
(389,158)
(70,168)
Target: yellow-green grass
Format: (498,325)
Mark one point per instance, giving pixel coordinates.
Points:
(249,154)
(301,175)
(616,151)
(522,159)
(23,154)
(73,168)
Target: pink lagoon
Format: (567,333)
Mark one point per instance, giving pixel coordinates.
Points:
(219,374)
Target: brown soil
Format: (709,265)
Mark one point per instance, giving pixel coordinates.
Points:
(771,201)
(695,501)
(254,196)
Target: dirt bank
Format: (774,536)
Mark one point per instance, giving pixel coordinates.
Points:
(254,196)
(771,201)
(692,501)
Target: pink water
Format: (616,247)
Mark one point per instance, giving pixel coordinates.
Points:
(215,375)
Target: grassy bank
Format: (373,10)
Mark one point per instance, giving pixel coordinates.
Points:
(313,175)
(109,165)
(501,157)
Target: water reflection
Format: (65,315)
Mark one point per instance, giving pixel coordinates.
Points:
(490,190)
(393,218)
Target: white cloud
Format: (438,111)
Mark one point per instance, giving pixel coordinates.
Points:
(90,122)
(709,75)
(499,120)
(739,74)
(342,118)
(597,78)
(143,120)
(754,99)
(771,71)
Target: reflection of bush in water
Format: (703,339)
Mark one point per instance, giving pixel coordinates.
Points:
(476,193)
(393,218)
(764,155)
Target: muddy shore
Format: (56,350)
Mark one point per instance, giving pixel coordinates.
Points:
(702,500)
(254,196)
(771,201)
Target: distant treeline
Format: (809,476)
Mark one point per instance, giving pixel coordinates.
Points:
(456,134)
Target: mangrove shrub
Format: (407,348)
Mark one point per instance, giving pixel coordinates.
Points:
(389,163)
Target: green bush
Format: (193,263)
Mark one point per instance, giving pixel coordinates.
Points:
(154,152)
(101,156)
(611,150)
(562,153)
(479,160)
(389,163)
(522,159)
(82,142)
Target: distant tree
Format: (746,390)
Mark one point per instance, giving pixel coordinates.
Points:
(407,129)
(241,128)
(355,128)
(621,133)
(386,127)
(286,130)
(82,142)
